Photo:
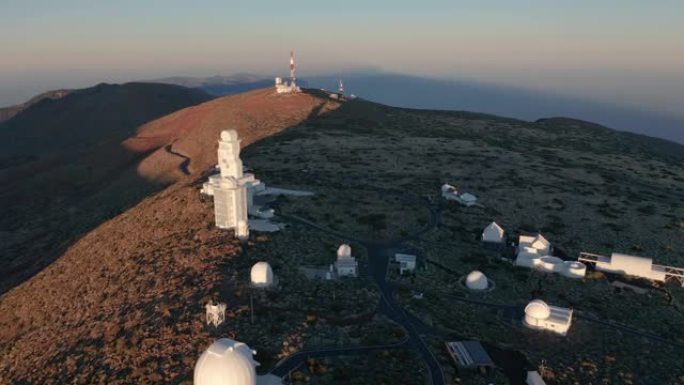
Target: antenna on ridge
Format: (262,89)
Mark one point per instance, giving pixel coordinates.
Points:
(292,70)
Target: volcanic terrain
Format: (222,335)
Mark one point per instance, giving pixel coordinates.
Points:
(124,303)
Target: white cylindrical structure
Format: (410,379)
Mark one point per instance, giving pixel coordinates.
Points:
(226,362)
(550,264)
(536,312)
(476,280)
(261,275)
(575,269)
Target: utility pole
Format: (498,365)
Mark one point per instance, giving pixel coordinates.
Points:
(251,306)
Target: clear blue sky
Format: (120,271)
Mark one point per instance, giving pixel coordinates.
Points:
(624,50)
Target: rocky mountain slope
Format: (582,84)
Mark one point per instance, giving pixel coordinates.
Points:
(62,185)
(123,304)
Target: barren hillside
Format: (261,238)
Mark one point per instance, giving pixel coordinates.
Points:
(95,169)
(193,132)
(123,304)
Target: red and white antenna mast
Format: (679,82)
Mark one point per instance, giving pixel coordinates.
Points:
(292,69)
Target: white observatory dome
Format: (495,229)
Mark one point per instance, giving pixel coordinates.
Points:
(476,281)
(344,251)
(537,310)
(229,135)
(226,362)
(262,275)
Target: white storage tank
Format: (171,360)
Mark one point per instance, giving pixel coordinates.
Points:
(574,269)
(550,264)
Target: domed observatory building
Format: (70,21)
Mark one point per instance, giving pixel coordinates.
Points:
(346,265)
(476,280)
(539,315)
(226,362)
(261,276)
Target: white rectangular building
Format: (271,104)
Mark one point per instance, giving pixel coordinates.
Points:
(407,262)
(347,266)
(631,265)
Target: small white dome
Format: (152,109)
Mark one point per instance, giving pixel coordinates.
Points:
(262,274)
(476,281)
(229,135)
(344,251)
(226,362)
(537,309)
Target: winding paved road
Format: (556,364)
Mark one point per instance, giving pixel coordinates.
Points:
(379,254)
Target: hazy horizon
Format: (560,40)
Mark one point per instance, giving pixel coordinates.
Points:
(626,53)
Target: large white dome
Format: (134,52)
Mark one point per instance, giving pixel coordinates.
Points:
(226,362)
(476,280)
(344,251)
(262,275)
(537,309)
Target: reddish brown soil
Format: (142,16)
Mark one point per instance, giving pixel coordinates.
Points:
(194,131)
(124,304)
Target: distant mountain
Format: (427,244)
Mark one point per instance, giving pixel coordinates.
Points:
(8,112)
(441,94)
(438,94)
(87,117)
(221,85)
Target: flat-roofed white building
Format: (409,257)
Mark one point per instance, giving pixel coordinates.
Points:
(407,262)
(469,354)
(549,264)
(450,192)
(347,267)
(631,265)
(539,315)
